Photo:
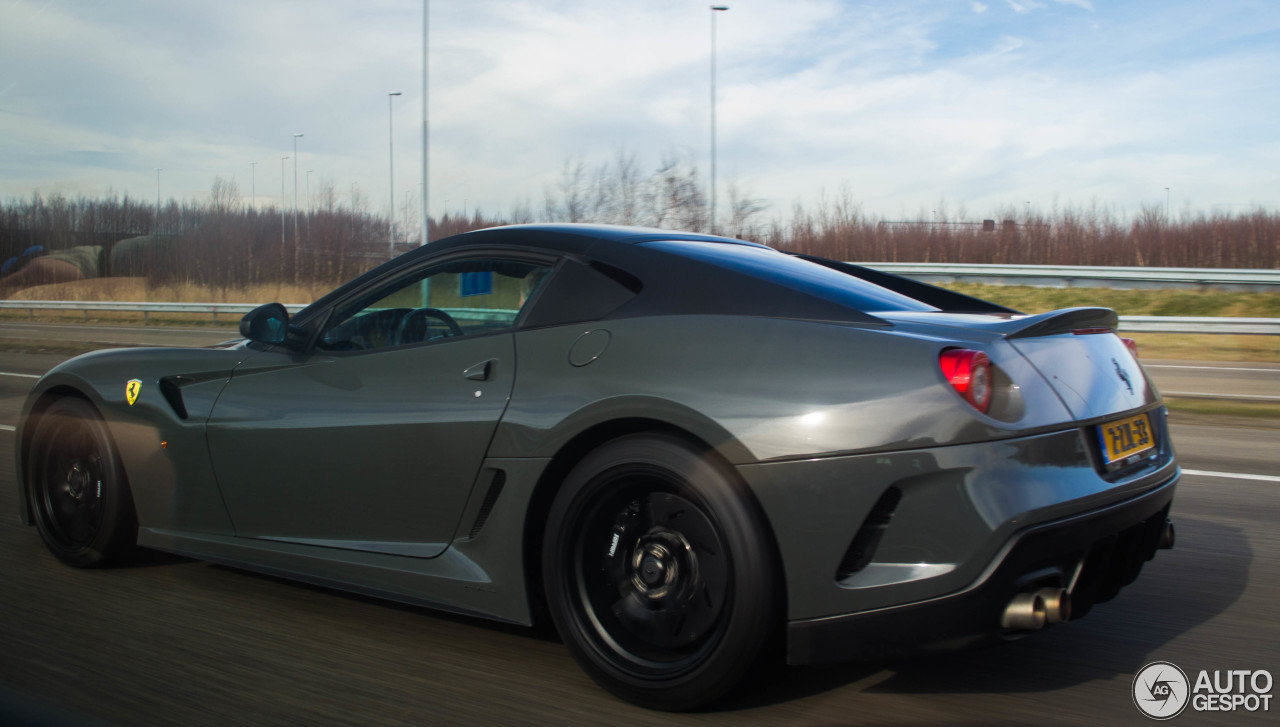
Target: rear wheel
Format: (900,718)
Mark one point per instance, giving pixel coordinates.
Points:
(78,493)
(658,574)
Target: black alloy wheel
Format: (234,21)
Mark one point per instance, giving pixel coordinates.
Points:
(658,574)
(78,494)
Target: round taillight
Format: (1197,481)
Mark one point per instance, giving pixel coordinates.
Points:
(969,373)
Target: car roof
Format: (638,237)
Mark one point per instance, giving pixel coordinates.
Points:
(612,233)
(569,237)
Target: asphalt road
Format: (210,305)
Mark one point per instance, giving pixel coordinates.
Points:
(1209,379)
(175,642)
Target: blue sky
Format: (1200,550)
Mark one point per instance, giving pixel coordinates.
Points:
(913,105)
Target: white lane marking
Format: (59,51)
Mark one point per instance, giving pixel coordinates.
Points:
(24,376)
(1211,368)
(1242,397)
(1232,475)
(7,428)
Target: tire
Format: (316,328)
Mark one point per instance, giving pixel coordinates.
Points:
(79,497)
(658,573)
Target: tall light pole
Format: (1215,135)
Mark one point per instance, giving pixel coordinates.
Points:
(296,136)
(308,206)
(1166,205)
(157,231)
(714,9)
(282,158)
(253,185)
(391,169)
(426,15)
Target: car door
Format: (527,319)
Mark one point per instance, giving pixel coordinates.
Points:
(372,437)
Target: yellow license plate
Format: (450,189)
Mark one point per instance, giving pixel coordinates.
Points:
(1126,437)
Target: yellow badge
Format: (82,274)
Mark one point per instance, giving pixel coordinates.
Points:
(132,389)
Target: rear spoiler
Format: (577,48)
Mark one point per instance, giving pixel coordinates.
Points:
(1067,320)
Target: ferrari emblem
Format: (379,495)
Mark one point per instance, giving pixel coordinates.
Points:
(132,389)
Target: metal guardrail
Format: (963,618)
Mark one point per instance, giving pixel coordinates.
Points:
(1133,324)
(145,308)
(1189,324)
(1066,276)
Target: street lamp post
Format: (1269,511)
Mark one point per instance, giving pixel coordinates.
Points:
(253,185)
(295,196)
(1166,205)
(158,170)
(426,14)
(714,9)
(308,206)
(391,168)
(282,241)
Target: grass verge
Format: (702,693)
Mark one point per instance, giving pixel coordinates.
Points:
(1224,412)
(1207,347)
(1135,302)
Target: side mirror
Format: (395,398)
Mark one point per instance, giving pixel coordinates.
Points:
(266,324)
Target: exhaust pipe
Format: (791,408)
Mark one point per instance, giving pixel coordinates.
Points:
(1167,536)
(1057,605)
(1025,612)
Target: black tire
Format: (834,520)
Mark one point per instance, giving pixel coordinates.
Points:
(79,497)
(658,573)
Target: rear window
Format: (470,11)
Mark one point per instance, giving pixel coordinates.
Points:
(792,272)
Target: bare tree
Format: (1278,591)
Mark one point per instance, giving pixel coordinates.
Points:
(674,197)
(568,201)
(743,209)
(224,195)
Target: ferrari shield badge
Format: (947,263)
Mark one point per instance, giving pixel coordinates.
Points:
(132,389)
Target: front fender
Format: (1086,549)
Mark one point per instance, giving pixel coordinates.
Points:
(157,436)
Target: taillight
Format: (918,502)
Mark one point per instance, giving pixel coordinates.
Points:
(969,373)
(1132,345)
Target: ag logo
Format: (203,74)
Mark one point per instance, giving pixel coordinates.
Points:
(1161,690)
(132,389)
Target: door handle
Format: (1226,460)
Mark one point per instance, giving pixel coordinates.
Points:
(481,371)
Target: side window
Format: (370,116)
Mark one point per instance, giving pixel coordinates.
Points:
(457,298)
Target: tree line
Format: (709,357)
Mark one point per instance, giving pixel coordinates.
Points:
(221,241)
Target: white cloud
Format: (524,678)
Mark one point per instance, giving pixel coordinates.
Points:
(978,8)
(906,103)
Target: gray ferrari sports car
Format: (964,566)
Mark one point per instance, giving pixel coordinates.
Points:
(692,454)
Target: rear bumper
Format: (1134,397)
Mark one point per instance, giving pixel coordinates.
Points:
(1092,554)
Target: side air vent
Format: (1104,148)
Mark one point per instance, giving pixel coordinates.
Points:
(170,389)
(865,542)
(490,498)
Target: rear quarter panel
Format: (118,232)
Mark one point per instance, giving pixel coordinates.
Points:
(755,388)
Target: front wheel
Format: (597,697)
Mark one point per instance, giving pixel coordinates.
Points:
(77,489)
(658,573)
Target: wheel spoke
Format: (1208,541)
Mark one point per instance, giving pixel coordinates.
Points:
(81,525)
(659,627)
